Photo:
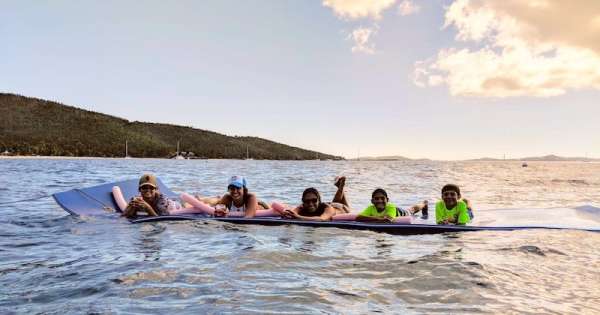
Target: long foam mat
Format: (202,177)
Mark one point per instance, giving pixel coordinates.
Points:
(389,228)
(98,200)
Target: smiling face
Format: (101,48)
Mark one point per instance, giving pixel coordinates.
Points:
(379,200)
(310,202)
(236,193)
(147,192)
(450,198)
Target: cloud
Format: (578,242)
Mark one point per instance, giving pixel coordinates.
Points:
(535,48)
(357,9)
(408,7)
(361,37)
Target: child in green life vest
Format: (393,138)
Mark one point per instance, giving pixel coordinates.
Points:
(452,209)
(380,210)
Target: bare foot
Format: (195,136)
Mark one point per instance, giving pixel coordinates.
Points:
(420,207)
(340,181)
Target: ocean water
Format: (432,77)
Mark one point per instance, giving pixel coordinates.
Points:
(53,263)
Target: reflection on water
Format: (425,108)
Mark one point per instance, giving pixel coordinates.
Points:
(53,263)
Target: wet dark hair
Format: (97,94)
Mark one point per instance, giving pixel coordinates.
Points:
(379,191)
(311,190)
(451,187)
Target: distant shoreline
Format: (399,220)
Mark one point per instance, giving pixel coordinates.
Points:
(58,157)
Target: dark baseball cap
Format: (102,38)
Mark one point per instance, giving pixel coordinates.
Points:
(148,179)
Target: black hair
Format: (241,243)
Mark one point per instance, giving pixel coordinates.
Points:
(312,190)
(379,191)
(451,187)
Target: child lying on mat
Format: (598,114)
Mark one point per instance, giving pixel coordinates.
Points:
(150,200)
(452,209)
(381,210)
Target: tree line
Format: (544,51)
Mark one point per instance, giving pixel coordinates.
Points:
(31,126)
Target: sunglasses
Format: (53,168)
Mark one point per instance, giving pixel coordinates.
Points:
(311,200)
(147,187)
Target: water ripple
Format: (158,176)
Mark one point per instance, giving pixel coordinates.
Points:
(54,264)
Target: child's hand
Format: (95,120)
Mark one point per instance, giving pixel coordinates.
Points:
(388,219)
(136,203)
(289,214)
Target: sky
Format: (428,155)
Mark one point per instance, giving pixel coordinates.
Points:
(439,79)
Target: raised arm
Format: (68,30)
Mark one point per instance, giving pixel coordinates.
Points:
(251,206)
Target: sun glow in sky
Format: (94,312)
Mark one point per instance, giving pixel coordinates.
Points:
(450,79)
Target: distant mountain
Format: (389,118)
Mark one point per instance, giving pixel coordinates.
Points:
(537,158)
(387,158)
(546,158)
(31,126)
(555,158)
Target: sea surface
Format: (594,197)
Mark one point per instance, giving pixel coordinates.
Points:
(54,263)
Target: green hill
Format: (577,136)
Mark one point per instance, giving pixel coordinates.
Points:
(30,126)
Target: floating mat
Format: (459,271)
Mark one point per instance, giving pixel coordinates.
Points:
(389,228)
(98,200)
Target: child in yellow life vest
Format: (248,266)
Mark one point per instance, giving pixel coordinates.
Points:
(380,209)
(452,209)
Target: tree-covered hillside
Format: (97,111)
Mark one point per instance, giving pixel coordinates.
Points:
(30,126)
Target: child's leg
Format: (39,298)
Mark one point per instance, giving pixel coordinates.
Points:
(340,196)
(262,205)
(418,207)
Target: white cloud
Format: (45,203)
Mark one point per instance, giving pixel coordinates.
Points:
(537,48)
(361,37)
(356,9)
(407,7)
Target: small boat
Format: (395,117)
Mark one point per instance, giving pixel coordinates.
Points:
(126,149)
(178,156)
(248,154)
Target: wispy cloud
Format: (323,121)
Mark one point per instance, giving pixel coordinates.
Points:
(407,7)
(351,10)
(361,37)
(526,48)
(357,9)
